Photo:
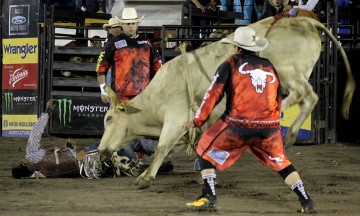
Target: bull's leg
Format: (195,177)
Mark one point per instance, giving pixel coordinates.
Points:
(306,107)
(169,137)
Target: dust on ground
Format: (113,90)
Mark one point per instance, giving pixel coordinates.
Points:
(331,174)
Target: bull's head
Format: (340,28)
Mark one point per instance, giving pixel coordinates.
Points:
(116,124)
(258,77)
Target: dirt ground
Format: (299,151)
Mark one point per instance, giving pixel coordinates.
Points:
(331,174)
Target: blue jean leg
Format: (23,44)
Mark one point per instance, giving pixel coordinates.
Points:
(145,146)
(224,6)
(246,9)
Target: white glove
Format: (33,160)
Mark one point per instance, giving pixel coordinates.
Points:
(103,90)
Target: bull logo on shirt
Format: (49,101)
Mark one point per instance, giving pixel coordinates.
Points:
(258,77)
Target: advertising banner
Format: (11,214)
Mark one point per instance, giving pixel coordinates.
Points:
(20,95)
(78,115)
(19,102)
(288,117)
(20,76)
(20,51)
(17,125)
(20,18)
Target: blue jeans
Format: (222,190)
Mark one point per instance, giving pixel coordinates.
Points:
(246,9)
(145,146)
(224,6)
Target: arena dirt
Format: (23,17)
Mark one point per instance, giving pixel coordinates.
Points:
(331,173)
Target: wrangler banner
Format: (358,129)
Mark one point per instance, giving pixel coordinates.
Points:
(20,51)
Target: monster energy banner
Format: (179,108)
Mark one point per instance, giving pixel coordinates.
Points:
(19,101)
(78,115)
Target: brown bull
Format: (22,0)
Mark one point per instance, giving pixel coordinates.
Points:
(164,106)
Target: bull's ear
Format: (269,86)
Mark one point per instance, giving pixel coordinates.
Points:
(126,108)
(111,94)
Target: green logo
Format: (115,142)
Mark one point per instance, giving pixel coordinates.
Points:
(9,101)
(65,106)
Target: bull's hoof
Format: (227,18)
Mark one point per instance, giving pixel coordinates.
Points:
(144,182)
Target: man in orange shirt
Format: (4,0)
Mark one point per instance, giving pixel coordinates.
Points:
(251,120)
(132,58)
(133,61)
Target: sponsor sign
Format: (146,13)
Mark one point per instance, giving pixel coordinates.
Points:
(17,125)
(19,102)
(78,114)
(20,76)
(20,51)
(288,117)
(19,18)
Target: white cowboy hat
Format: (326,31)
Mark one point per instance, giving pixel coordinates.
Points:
(113,22)
(245,38)
(129,15)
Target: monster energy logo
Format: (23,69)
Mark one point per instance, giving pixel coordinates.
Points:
(65,110)
(9,101)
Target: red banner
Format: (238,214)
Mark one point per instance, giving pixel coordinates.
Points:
(20,76)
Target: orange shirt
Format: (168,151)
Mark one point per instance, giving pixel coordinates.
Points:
(252,91)
(133,62)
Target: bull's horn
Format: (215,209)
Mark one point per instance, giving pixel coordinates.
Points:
(111,94)
(126,108)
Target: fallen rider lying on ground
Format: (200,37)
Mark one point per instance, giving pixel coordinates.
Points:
(65,160)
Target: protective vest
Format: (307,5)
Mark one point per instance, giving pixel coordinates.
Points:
(57,163)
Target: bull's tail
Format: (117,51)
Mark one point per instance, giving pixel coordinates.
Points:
(350,82)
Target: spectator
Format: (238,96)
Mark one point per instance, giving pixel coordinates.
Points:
(95,41)
(303,8)
(308,5)
(246,8)
(106,6)
(251,120)
(274,7)
(203,5)
(224,5)
(87,6)
(113,28)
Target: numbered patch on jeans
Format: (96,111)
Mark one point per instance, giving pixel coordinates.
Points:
(219,156)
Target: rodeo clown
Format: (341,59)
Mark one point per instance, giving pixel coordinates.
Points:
(251,120)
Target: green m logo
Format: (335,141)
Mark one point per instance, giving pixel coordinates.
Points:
(9,101)
(65,107)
